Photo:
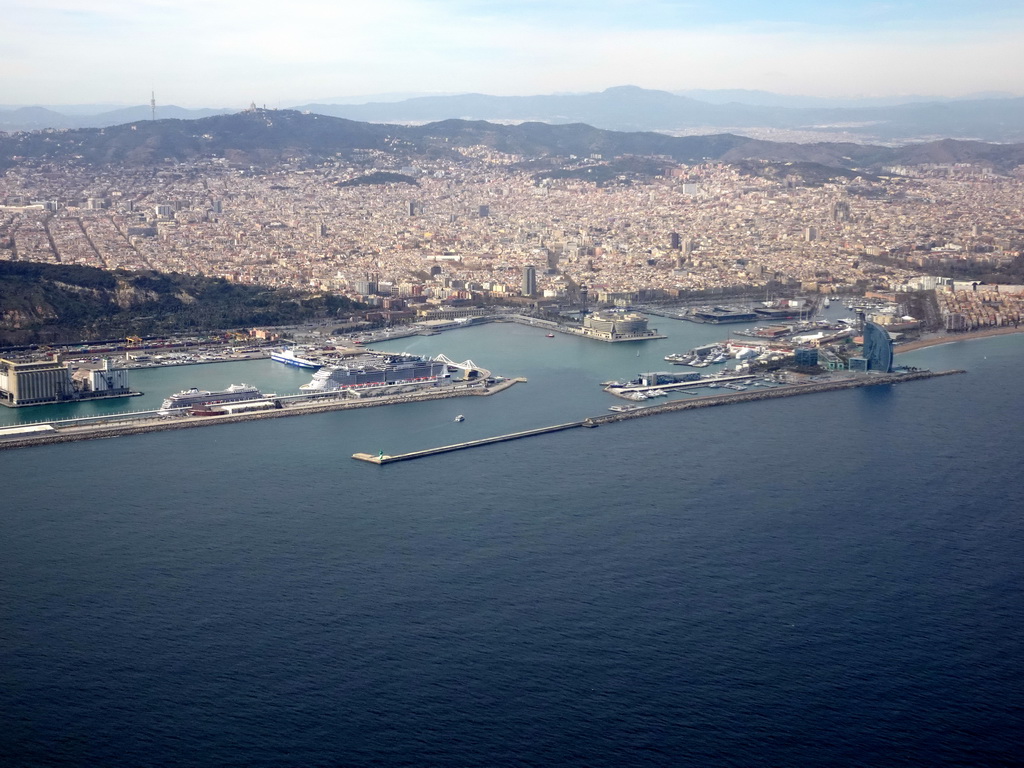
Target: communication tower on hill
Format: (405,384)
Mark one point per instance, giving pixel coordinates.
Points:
(152,104)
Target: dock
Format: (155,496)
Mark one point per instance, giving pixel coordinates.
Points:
(707,401)
(141,422)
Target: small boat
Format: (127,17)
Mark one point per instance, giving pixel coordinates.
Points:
(551,335)
(460,417)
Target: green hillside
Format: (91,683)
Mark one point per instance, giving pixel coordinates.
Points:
(47,303)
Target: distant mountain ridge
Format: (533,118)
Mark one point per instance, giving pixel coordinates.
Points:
(260,137)
(44,118)
(769,99)
(629,108)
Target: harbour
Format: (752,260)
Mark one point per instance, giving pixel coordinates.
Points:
(142,422)
(708,401)
(621,572)
(591,363)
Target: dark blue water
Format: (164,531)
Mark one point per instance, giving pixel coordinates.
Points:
(834,579)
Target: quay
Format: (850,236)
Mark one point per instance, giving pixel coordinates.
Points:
(674,386)
(707,401)
(141,422)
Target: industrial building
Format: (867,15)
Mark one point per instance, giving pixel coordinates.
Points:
(39,382)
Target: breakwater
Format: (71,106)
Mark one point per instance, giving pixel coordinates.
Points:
(381,458)
(708,401)
(136,426)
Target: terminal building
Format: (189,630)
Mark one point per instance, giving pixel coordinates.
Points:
(720,314)
(39,382)
(617,326)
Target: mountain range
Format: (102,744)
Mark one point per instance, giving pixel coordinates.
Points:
(628,108)
(260,137)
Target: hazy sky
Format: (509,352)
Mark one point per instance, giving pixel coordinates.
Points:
(226,53)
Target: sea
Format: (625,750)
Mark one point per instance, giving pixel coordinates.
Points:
(826,580)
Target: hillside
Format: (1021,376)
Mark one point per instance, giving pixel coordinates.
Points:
(992,117)
(46,303)
(263,137)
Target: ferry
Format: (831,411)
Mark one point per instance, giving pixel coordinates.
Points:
(288,357)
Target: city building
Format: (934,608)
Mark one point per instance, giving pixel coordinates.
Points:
(35,382)
(614,325)
(51,381)
(806,357)
(877,348)
(529,287)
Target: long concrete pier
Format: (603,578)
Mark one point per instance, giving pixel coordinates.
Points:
(707,401)
(382,458)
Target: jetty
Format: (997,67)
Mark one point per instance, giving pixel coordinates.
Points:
(707,401)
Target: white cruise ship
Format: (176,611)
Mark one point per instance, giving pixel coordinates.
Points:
(179,402)
(395,370)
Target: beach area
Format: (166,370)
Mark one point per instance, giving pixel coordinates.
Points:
(935,339)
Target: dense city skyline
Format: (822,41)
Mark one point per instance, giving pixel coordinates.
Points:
(224,55)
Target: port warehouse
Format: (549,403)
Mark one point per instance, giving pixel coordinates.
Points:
(245,406)
(51,381)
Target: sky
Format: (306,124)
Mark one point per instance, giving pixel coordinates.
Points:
(228,53)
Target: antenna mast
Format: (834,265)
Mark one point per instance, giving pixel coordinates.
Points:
(152,103)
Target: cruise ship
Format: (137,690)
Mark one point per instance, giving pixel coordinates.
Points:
(288,357)
(399,369)
(188,398)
